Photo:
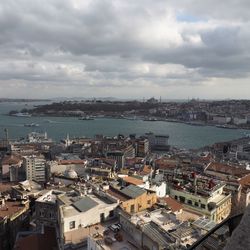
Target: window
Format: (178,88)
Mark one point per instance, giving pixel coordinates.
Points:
(132,208)
(196,204)
(111,213)
(72,225)
(182,199)
(203,206)
(176,197)
(190,202)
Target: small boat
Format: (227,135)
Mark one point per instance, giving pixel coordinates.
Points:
(31,125)
(151,119)
(86,118)
(226,126)
(22,114)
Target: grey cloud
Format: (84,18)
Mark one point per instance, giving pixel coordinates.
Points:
(104,42)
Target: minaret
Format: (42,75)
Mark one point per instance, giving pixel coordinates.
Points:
(67,141)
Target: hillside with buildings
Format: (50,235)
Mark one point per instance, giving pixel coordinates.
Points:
(119,192)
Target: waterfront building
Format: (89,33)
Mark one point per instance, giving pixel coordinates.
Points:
(219,119)
(157,142)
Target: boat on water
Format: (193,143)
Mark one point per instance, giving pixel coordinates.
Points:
(151,119)
(31,125)
(19,114)
(86,118)
(226,126)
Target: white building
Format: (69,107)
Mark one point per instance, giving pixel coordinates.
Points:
(240,120)
(35,168)
(219,119)
(35,137)
(76,213)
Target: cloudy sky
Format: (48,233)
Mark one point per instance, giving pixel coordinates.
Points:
(125,48)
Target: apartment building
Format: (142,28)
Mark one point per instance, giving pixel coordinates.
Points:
(35,168)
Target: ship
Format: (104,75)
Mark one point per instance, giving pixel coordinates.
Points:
(31,125)
(86,118)
(226,126)
(151,119)
(19,114)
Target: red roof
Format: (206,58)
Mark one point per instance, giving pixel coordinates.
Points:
(174,205)
(146,170)
(117,194)
(68,162)
(10,208)
(227,169)
(38,241)
(11,160)
(133,180)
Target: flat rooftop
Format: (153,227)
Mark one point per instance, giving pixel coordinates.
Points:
(162,218)
(78,204)
(49,197)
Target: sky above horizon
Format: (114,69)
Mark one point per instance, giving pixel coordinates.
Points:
(125,49)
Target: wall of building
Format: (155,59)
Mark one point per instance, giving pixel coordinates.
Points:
(222,207)
(131,229)
(221,119)
(90,217)
(141,203)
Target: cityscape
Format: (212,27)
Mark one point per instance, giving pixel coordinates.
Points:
(124,125)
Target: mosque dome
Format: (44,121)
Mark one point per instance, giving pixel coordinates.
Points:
(71,174)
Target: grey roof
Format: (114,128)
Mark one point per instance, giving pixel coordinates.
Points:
(157,235)
(204,224)
(84,204)
(133,191)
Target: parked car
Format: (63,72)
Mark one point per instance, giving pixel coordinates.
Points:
(114,228)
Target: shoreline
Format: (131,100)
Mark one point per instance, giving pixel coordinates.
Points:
(199,123)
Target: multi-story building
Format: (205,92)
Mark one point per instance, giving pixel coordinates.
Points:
(219,119)
(157,142)
(203,196)
(9,167)
(142,148)
(35,168)
(134,199)
(46,208)
(77,212)
(118,156)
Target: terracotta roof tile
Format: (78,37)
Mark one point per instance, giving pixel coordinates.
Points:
(172,203)
(227,169)
(133,180)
